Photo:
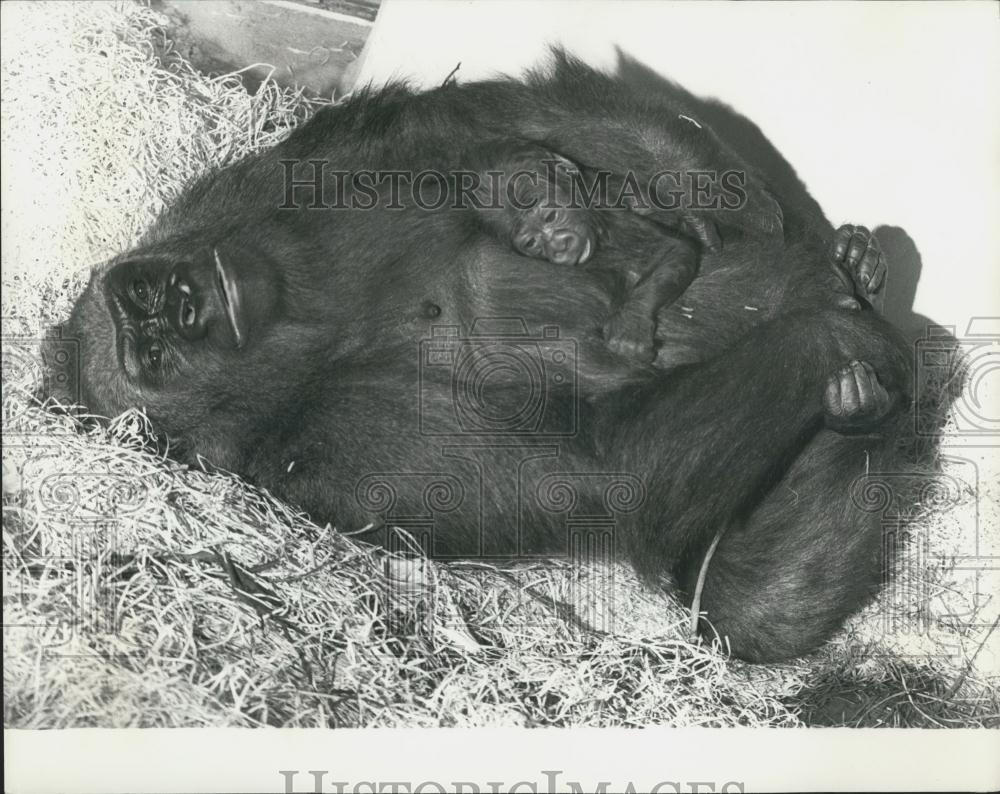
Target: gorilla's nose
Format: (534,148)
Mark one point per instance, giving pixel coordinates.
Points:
(565,248)
(183,302)
(187,315)
(563,241)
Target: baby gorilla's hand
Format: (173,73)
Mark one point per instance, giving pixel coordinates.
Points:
(631,335)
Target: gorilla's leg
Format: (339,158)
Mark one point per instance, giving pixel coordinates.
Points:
(809,554)
(782,580)
(737,443)
(806,558)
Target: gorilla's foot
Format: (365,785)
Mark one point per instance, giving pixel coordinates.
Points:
(855,399)
(856,253)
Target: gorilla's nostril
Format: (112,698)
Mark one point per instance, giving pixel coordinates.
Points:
(188,314)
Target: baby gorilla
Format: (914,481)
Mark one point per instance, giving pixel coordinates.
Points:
(545,207)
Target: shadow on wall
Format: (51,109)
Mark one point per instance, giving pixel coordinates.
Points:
(803,212)
(741,135)
(801,209)
(905,266)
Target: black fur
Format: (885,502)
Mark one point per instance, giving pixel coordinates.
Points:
(328,398)
(546,207)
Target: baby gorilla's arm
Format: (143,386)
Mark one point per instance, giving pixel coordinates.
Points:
(658,266)
(530,200)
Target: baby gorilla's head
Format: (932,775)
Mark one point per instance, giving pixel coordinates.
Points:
(561,235)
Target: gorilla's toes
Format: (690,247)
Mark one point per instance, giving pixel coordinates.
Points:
(857,251)
(855,399)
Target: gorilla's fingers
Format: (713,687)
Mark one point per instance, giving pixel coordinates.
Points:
(856,252)
(855,398)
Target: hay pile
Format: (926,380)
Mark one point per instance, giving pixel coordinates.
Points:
(143,593)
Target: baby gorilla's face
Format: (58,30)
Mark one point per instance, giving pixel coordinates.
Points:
(561,235)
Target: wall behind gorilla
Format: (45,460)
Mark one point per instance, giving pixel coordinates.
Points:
(888,112)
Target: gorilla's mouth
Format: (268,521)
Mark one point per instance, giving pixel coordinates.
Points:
(230,293)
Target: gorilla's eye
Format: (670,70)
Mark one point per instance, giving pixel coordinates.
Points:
(140,291)
(531,244)
(550,216)
(154,356)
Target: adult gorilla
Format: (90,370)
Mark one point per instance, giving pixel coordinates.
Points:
(398,363)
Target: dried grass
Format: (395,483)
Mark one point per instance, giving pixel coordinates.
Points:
(139,592)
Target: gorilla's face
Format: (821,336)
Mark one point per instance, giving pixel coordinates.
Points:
(173,329)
